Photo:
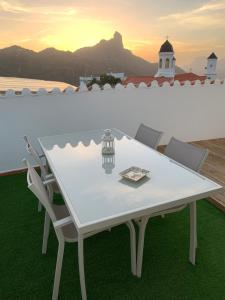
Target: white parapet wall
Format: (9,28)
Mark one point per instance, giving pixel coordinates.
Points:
(189,112)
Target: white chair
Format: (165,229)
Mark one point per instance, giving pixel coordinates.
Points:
(66,231)
(148,136)
(40,160)
(192,158)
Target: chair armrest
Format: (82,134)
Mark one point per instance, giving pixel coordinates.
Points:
(49,176)
(62,222)
(49,181)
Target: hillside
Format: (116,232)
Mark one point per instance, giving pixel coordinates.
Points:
(52,64)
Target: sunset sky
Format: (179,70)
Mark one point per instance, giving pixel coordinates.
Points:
(195,27)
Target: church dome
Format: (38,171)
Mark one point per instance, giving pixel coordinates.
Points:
(166,47)
(212,56)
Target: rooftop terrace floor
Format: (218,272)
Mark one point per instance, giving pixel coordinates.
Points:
(167,273)
(214,167)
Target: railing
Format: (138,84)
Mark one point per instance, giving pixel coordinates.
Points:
(193,111)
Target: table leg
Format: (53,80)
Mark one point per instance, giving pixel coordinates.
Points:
(132,247)
(193,232)
(141,238)
(81,266)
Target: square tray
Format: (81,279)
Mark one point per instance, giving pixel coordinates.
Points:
(134,173)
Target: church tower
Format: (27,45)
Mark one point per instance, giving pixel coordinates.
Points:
(166,66)
(211,66)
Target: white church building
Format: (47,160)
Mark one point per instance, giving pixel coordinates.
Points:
(211,66)
(166,66)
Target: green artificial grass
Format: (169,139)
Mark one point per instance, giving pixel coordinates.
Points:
(167,274)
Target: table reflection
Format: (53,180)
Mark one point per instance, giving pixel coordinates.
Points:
(108,163)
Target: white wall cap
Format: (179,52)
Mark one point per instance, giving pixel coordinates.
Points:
(130,86)
(56,91)
(95,87)
(69,90)
(197,82)
(187,83)
(154,83)
(176,83)
(207,81)
(143,85)
(9,93)
(25,92)
(119,86)
(42,91)
(166,84)
(107,86)
(217,81)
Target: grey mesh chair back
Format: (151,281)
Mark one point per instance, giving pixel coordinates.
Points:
(186,154)
(148,136)
(36,185)
(37,158)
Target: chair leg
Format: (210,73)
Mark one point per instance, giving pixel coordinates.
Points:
(142,226)
(58,270)
(39,206)
(196,231)
(46,233)
(132,246)
(81,267)
(196,237)
(193,232)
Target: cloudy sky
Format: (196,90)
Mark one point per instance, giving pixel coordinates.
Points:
(195,27)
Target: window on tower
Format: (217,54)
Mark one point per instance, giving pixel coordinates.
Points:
(167,64)
(160,63)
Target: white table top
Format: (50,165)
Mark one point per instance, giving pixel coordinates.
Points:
(97,198)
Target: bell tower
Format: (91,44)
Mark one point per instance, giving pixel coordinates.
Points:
(211,66)
(166,65)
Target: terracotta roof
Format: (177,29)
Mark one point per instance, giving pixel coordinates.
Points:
(166,47)
(190,76)
(212,55)
(180,77)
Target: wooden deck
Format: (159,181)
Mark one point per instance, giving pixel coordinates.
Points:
(214,166)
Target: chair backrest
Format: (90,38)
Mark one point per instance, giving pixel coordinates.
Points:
(33,152)
(37,187)
(186,154)
(148,136)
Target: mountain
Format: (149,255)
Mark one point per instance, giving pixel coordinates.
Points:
(66,66)
(197,65)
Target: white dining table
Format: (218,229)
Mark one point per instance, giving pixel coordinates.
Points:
(94,191)
(96,195)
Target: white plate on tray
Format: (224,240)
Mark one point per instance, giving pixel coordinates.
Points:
(134,173)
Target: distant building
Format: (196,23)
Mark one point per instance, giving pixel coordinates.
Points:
(211,66)
(167,72)
(87,79)
(120,76)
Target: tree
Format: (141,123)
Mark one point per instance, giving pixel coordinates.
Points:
(104,78)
